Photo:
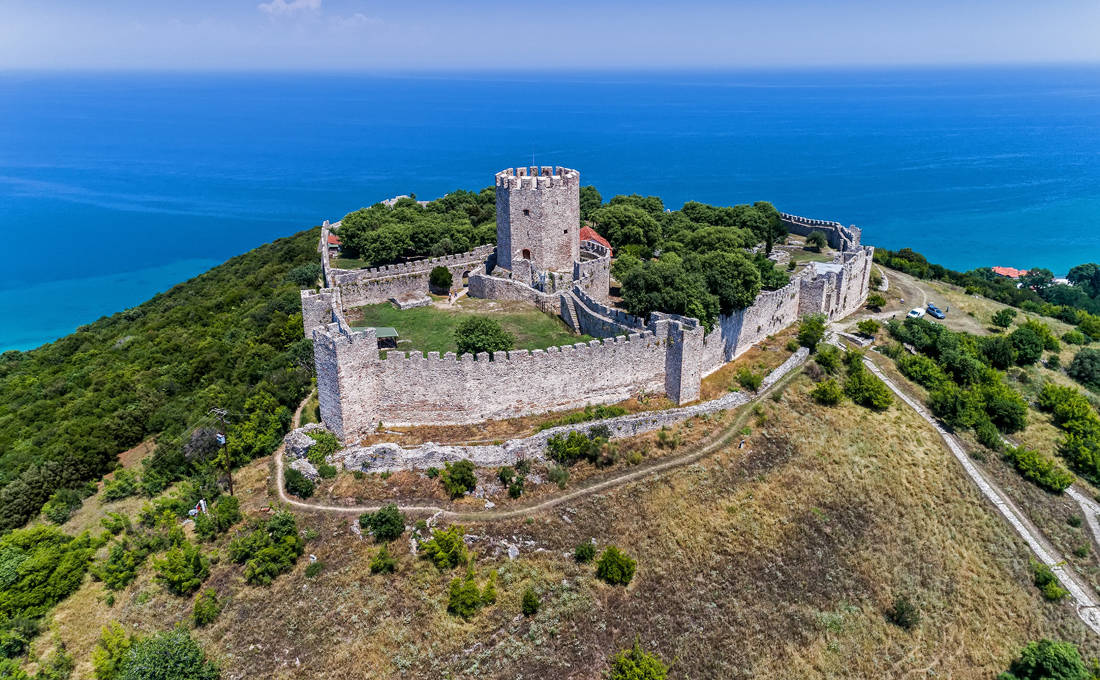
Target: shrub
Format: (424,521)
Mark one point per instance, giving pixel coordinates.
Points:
(989,436)
(903,613)
(314,568)
(183,569)
(297,483)
(530,605)
(1044,471)
(385,525)
(464,598)
(172,655)
(1004,406)
(523,466)
(793,345)
(615,567)
(558,475)
(999,351)
(123,485)
(224,514)
(269,549)
(1075,338)
(445,549)
(1002,318)
(748,379)
(506,474)
(828,357)
(458,478)
(816,240)
(865,389)
(567,449)
(515,489)
(1047,660)
(482,334)
(1054,362)
(636,663)
(922,370)
(1047,582)
(876,301)
(110,650)
(326,471)
(868,327)
(61,505)
(383,562)
(489,595)
(1028,344)
(115,522)
(206,608)
(828,392)
(811,330)
(584,552)
(1085,368)
(440,279)
(325,444)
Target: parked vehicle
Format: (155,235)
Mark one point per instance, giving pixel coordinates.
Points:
(916,313)
(935,311)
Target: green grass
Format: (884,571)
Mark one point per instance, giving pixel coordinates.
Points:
(431,329)
(349,263)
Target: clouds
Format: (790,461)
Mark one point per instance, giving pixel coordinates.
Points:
(283,8)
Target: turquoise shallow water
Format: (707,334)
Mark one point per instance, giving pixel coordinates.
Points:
(114,187)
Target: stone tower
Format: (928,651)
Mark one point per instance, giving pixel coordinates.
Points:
(538,219)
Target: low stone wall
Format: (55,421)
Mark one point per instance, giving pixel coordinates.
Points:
(837,235)
(594,276)
(601,321)
(371,286)
(489,287)
(389,457)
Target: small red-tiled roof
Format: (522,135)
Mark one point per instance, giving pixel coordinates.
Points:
(1010,272)
(589,234)
(333,240)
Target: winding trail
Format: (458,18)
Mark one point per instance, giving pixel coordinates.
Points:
(722,438)
(1086,606)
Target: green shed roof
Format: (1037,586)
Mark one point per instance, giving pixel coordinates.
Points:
(386,332)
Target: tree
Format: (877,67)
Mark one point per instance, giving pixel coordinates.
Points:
(458,478)
(1087,277)
(1047,660)
(811,330)
(637,664)
(999,350)
(1028,344)
(305,276)
(623,224)
(773,229)
(173,655)
(206,608)
(1037,279)
(110,651)
(868,327)
(876,301)
(590,201)
(297,483)
(816,241)
(615,567)
(1085,368)
(530,602)
(1002,318)
(440,279)
(729,276)
(667,286)
(827,393)
(481,334)
(385,525)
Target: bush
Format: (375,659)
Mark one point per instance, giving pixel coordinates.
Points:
(1085,368)
(269,549)
(110,651)
(1002,318)
(482,334)
(988,435)
(385,525)
(183,569)
(793,345)
(39,567)
(325,444)
(440,279)
(1028,344)
(445,549)
(326,471)
(515,489)
(828,392)
(903,613)
(558,475)
(464,598)
(506,474)
(225,512)
(383,562)
(173,655)
(615,567)
(865,389)
(922,370)
(530,603)
(1044,471)
(999,351)
(123,485)
(868,327)
(828,357)
(637,664)
(569,448)
(1047,660)
(1075,338)
(62,504)
(314,568)
(816,240)
(598,412)
(297,483)
(811,330)
(1047,582)
(458,478)
(748,379)
(584,552)
(206,608)
(876,301)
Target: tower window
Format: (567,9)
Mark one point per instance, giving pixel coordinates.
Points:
(565,231)
(526,212)
(526,254)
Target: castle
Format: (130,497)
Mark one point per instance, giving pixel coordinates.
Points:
(540,259)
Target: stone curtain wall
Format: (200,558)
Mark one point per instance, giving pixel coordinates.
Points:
(371,286)
(601,321)
(538,210)
(594,275)
(837,235)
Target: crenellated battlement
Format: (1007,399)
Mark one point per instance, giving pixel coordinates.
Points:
(838,236)
(476,256)
(535,177)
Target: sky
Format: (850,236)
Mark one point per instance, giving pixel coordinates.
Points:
(364,35)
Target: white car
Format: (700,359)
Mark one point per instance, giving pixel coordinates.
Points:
(916,313)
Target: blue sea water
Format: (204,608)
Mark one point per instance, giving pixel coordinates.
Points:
(116,186)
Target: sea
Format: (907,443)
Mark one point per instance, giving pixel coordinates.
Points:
(116,186)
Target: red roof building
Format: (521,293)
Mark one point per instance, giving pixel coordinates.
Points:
(333,240)
(1010,272)
(589,234)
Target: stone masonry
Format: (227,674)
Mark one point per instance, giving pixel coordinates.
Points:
(539,259)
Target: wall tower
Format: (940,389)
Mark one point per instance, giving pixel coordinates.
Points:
(538,218)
